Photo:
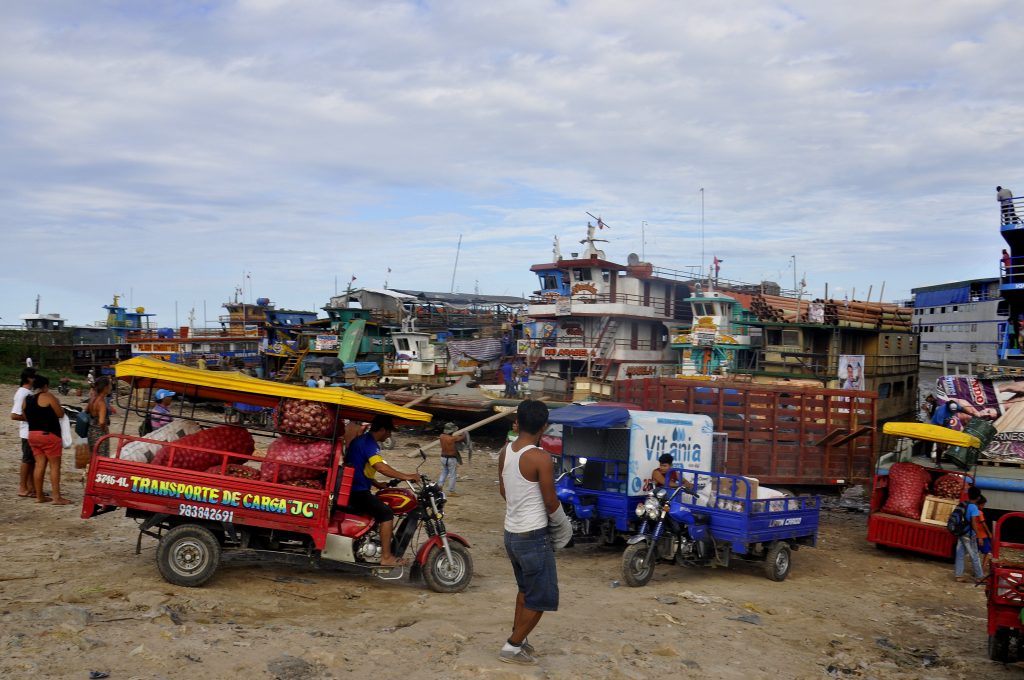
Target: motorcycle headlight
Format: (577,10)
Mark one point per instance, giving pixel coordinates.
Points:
(660,494)
(652,508)
(640,509)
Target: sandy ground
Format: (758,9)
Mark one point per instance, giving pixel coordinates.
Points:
(75,598)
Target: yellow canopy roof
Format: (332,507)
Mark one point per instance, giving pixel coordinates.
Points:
(232,386)
(932,433)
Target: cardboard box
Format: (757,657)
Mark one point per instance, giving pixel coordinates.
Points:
(726,486)
(936,510)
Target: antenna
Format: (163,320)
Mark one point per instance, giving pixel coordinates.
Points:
(601,224)
(702,229)
(643,240)
(455,268)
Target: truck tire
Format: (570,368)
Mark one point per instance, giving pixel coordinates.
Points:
(777,561)
(999,645)
(636,569)
(187,555)
(443,576)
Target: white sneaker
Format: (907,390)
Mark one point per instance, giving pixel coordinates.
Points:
(518,657)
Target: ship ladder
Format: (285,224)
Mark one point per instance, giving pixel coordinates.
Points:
(605,348)
(291,366)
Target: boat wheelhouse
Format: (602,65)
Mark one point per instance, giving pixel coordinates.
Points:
(715,343)
(594,321)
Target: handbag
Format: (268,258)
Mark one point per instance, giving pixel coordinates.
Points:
(65,432)
(82,424)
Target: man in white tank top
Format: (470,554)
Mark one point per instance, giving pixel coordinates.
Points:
(526,481)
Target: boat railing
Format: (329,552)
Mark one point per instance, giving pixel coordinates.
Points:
(631,299)
(821,365)
(1008,212)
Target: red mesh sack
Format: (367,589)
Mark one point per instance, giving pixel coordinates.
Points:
(308,418)
(908,484)
(234,470)
(224,438)
(288,450)
(948,486)
(306,483)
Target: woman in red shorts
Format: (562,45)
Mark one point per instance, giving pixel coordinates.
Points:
(43,413)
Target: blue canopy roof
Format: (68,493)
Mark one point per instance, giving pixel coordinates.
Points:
(578,415)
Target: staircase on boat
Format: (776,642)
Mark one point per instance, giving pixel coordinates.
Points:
(291,366)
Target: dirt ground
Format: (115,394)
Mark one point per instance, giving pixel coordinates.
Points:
(74,598)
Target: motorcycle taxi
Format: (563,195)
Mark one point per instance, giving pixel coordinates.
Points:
(202,489)
(693,528)
(606,455)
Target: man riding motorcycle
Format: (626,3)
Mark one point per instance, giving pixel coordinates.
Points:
(363,455)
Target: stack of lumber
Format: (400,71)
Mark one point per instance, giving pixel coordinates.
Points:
(879,315)
(778,308)
(847,314)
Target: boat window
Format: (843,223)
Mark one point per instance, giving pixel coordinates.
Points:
(791,338)
(549,282)
(581,274)
(897,389)
(883,390)
(910,383)
(402,344)
(698,309)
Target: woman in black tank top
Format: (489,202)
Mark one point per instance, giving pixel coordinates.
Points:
(43,413)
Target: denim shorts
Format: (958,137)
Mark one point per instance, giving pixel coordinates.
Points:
(533,562)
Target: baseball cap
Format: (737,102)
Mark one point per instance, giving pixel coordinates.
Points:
(163,394)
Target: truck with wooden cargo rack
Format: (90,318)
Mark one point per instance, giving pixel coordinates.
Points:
(784,435)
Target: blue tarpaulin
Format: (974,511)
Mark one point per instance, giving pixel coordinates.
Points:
(577,415)
(364,367)
(946,296)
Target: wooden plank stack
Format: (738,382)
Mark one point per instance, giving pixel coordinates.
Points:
(847,314)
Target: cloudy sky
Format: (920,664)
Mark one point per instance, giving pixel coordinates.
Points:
(167,150)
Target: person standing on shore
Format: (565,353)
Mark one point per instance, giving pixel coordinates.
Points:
(99,416)
(450,458)
(28,459)
(43,413)
(967,545)
(526,482)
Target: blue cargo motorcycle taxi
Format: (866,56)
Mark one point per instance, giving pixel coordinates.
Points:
(605,456)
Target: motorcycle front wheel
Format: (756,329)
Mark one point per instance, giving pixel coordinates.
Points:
(444,576)
(637,568)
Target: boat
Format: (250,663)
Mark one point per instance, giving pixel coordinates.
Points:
(595,321)
(717,341)
(783,339)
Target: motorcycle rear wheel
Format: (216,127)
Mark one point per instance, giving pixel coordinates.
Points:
(637,570)
(443,576)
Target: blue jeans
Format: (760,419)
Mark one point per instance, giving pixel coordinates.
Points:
(968,544)
(449,471)
(533,562)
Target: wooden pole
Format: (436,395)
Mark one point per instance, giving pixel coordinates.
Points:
(480,423)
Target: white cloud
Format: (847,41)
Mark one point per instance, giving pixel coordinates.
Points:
(307,140)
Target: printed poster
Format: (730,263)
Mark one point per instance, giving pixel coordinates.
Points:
(999,401)
(851,371)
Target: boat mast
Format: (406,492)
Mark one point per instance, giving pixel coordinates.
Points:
(456,267)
